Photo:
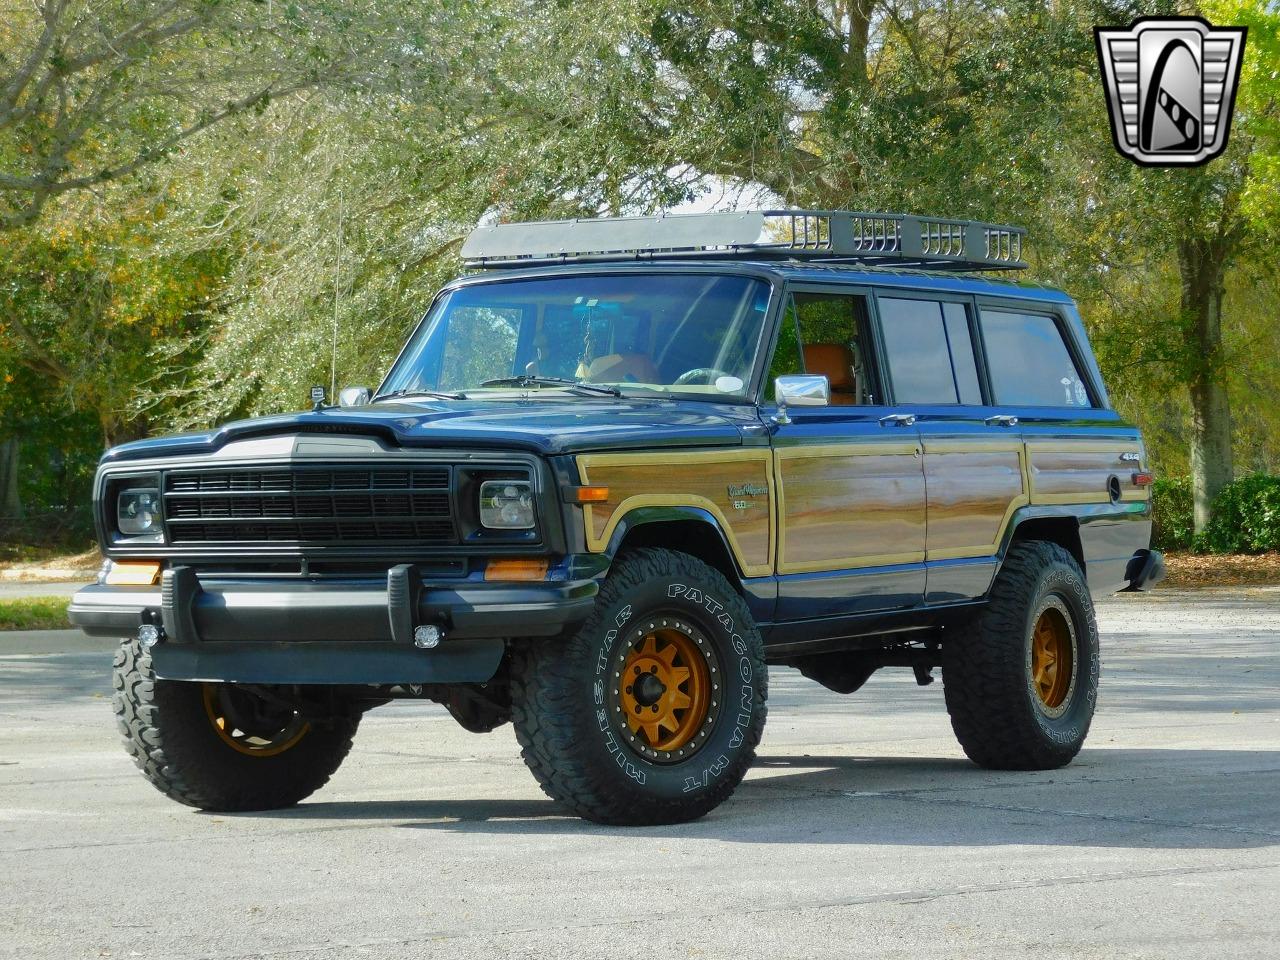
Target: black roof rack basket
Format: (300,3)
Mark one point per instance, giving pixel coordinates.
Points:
(828,236)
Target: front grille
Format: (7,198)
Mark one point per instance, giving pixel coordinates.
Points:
(311,506)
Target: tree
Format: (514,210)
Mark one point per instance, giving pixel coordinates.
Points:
(973,108)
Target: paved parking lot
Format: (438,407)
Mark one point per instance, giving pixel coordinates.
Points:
(862,831)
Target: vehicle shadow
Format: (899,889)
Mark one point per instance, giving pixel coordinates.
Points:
(1142,799)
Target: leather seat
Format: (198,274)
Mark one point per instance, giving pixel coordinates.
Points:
(620,368)
(835,362)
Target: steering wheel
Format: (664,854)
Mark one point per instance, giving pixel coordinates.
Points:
(700,375)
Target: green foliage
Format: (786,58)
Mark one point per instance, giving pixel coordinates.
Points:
(1172,524)
(1246,517)
(34,613)
(301,237)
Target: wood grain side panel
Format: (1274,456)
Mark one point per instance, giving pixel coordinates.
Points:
(1063,471)
(701,480)
(854,505)
(972,492)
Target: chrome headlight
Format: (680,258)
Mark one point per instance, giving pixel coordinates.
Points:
(506,504)
(138,512)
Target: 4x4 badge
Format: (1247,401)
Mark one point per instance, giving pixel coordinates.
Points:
(1171,87)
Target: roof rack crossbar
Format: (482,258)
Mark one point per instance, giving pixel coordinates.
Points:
(831,236)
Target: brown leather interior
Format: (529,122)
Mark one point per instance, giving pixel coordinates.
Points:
(835,362)
(620,368)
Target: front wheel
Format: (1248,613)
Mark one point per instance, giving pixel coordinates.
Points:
(652,712)
(1021,683)
(221,747)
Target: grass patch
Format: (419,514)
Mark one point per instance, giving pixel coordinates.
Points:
(34,613)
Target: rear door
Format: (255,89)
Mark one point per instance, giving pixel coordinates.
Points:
(974,467)
(850,481)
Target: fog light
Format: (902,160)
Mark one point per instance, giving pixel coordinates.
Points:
(149,635)
(427,636)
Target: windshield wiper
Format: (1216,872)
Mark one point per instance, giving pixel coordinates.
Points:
(529,380)
(431,394)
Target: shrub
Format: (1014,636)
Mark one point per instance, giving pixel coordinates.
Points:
(1246,517)
(1172,514)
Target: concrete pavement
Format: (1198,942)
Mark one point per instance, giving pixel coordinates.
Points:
(862,831)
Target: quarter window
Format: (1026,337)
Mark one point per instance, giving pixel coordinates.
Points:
(930,351)
(1029,361)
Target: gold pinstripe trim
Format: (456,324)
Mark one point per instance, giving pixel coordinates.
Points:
(1084,499)
(746,455)
(773,461)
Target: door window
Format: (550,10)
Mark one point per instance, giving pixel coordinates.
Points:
(930,351)
(824,333)
(1029,361)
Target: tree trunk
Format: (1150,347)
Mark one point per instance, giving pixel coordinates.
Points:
(1203,268)
(10,500)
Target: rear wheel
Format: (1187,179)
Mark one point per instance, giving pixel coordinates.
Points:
(1021,683)
(219,746)
(652,712)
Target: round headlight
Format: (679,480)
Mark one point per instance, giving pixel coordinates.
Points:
(506,504)
(138,512)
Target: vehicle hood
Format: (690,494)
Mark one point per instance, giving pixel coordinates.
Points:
(538,425)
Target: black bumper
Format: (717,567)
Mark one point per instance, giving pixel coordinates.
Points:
(1145,570)
(330,631)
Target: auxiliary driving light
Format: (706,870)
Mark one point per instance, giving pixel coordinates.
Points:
(427,636)
(149,635)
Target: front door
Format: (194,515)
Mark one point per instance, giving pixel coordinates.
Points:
(849,476)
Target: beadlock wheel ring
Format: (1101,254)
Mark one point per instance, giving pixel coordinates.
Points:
(665,695)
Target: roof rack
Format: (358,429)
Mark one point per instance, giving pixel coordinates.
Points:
(832,236)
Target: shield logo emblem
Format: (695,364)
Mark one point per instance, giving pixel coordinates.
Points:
(1171,88)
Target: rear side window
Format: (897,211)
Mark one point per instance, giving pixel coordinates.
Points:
(1029,362)
(930,351)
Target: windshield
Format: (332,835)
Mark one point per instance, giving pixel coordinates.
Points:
(655,333)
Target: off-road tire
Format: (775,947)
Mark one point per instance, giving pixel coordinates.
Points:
(1000,721)
(569,734)
(167,731)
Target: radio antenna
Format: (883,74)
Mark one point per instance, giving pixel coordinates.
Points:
(337,277)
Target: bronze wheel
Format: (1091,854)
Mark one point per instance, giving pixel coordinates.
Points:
(1052,657)
(249,724)
(666,688)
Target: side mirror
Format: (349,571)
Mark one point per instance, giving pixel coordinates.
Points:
(800,390)
(354,396)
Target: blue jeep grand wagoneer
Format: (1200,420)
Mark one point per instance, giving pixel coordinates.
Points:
(614,473)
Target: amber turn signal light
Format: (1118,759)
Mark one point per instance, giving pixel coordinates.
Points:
(133,574)
(523,568)
(586,494)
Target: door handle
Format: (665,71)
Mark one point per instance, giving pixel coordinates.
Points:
(1001,420)
(898,420)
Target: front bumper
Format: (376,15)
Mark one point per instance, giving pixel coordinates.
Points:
(330,630)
